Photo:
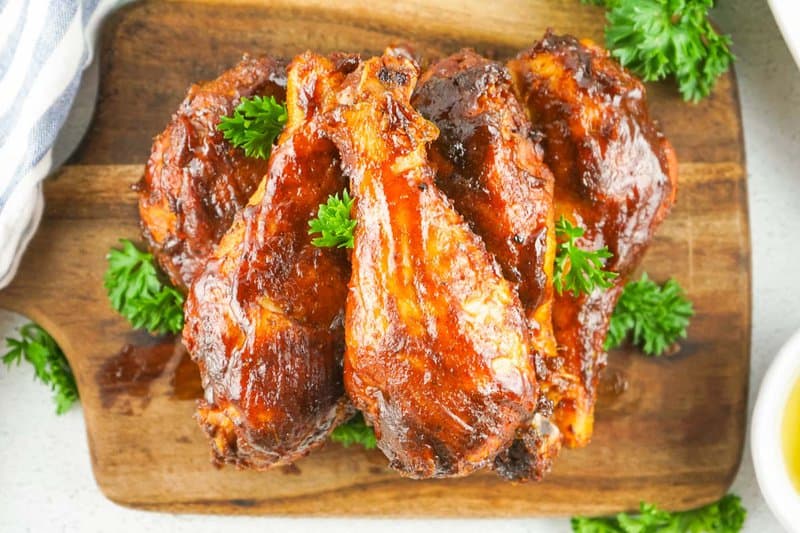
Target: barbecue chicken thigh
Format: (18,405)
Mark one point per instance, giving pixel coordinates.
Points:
(437,343)
(493,172)
(265,317)
(615,177)
(195,181)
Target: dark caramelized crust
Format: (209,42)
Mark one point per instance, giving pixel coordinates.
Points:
(264,319)
(492,170)
(489,167)
(615,176)
(437,355)
(195,181)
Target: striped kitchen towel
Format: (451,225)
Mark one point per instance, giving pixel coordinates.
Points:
(45,46)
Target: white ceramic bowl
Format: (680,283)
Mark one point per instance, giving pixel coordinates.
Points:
(768,457)
(787,15)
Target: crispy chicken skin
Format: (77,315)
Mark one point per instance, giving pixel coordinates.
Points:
(265,318)
(437,345)
(492,170)
(615,176)
(195,181)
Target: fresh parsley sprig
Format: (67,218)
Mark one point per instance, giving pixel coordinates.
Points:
(578,270)
(334,223)
(354,431)
(660,38)
(653,316)
(37,347)
(254,126)
(137,292)
(724,516)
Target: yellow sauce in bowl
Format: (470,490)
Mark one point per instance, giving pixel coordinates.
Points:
(790,432)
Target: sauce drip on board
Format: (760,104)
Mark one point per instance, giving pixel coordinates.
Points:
(145,367)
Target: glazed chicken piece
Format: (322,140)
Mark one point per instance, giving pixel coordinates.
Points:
(615,176)
(437,346)
(492,170)
(195,181)
(265,318)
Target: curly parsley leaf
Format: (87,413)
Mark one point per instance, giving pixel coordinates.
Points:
(334,223)
(138,293)
(37,347)
(354,431)
(254,126)
(653,316)
(659,38)
(724,516)
(578,270)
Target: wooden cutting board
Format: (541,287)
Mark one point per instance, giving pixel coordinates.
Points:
(668,430)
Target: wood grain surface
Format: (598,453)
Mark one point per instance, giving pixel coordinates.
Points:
(668,430)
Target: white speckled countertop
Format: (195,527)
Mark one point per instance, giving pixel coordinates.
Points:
(45,471)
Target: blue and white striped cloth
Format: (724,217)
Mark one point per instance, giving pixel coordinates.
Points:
(45,46)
